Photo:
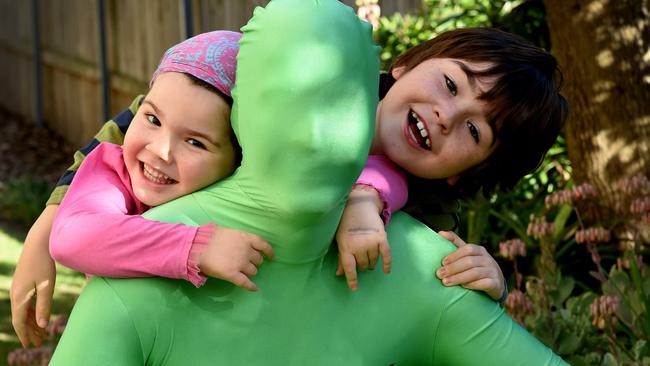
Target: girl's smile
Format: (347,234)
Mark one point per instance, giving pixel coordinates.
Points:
(155,176)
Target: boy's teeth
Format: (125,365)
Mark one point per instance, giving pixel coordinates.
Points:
(423,132)
(420,125)
(423,138)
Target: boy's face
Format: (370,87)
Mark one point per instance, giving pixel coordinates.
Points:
(179,140)
(431,123)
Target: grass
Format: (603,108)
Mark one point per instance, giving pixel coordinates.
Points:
(68,286)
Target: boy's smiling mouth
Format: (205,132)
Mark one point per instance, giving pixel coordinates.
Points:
(154,175)
(418,130)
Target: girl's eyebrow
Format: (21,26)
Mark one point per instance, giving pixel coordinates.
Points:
(185,129)
(155,108)
(202,135)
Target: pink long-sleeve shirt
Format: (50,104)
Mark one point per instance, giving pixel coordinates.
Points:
(389,181)
(98,229)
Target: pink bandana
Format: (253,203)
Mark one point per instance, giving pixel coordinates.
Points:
(211,57)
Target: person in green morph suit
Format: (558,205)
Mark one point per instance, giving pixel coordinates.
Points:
(304,121)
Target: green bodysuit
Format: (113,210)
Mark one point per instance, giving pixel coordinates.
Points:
(304,115)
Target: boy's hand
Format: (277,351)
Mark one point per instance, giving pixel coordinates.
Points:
(234,255)
(35,276)
(361,236)
(472,267)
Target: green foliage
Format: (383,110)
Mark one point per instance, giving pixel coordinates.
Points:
(587,315)
(602,324)
(575,330)
(567,329)
(398,33)
(22,199)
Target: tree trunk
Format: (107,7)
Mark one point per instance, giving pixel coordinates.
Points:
(602,47)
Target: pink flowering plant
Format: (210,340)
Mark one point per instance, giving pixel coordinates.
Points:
(583,290)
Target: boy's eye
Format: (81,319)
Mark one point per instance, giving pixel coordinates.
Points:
(451,86)
(196,143)
(153,120)
(474,132)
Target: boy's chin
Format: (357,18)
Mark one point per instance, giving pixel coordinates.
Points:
(451,181)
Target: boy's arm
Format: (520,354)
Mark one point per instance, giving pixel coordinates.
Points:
(388,180)
(360,236)
(470,266)
(112,131)
(380,190)
(98,229)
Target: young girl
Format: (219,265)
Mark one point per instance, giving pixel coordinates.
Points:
(180,140)
(477,108)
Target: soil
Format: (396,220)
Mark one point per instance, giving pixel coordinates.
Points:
(26,149)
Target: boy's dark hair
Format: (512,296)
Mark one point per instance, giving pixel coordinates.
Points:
(526,110)
(233,139)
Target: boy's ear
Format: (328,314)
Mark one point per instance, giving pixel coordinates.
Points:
(397,72)
(453,180)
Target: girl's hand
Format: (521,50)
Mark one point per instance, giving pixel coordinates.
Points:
(361,236)
(34,277)
(472,267)
(234,255)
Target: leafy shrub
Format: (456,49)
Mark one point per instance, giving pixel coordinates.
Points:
(602,324)
(22,199)
(399,32)
(566,297)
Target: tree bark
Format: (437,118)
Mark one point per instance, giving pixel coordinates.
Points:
(603,49)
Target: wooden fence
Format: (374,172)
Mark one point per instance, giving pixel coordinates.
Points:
(136,35)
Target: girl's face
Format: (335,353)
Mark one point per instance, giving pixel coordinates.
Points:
(179,140)
(431,123)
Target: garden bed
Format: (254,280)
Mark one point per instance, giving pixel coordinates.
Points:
(32,161)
